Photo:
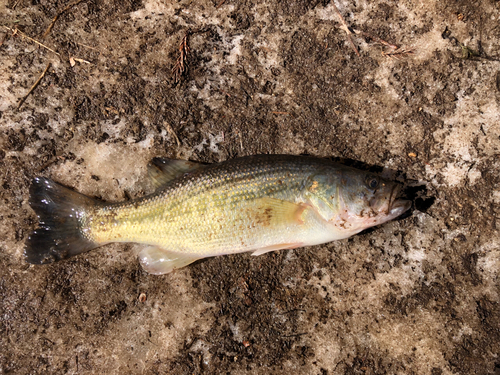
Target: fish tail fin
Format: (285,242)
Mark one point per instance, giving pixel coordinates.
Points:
(60,233)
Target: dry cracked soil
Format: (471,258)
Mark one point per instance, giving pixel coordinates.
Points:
(419,295)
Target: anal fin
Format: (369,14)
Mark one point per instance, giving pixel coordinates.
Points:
(157,261)
(280,246)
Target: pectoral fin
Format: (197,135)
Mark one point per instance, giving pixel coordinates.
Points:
(281,246)
(157,261)
(163,170)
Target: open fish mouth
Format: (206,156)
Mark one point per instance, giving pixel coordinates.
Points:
(397,206)
(387,205)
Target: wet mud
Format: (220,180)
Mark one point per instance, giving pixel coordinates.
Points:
(213,80)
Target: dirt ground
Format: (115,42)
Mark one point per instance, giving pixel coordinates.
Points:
(419,295)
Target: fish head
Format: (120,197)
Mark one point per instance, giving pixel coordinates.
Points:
(366,200)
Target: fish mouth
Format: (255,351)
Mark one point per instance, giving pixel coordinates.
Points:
(386,203)
(397,206)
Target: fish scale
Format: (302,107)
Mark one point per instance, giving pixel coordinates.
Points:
(257,203)
(189,211)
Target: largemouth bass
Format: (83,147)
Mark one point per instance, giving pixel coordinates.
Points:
(257,203)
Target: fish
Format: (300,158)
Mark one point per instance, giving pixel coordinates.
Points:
(254,204)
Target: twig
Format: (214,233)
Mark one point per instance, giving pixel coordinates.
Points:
(86,46)
(58,15)
(220,4)
(181,65)
(17,31)
(399,53)
(34,85)
(82,61)
(171,131)
(346,29)
(73,60)
(395,52)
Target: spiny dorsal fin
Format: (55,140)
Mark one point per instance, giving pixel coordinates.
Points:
(162,170)
(157,261)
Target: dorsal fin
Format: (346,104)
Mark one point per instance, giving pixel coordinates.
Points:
(163,170)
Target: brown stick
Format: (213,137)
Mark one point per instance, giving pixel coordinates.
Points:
(346,28)
(34,85)
(17,31)
(399,53)
(181,65)
(58,15)
(172,133)
(86,46)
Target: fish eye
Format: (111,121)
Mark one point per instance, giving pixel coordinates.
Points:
(372,182)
